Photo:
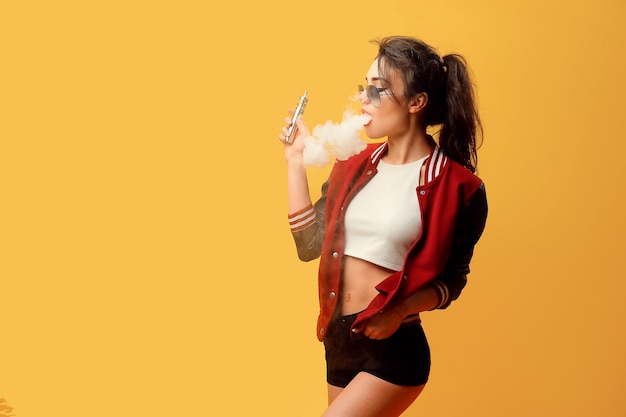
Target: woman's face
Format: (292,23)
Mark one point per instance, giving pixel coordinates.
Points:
(390,117)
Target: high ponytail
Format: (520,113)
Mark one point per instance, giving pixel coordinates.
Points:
(461,129)
(451,105)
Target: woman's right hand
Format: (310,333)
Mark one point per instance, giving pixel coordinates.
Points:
(295,147)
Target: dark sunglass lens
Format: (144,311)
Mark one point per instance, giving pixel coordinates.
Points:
(373,94)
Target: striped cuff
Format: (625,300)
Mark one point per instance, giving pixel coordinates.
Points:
(442,292)
(302,219)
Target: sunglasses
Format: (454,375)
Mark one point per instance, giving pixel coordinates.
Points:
(373,93)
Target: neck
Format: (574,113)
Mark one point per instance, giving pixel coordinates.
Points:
(407,149)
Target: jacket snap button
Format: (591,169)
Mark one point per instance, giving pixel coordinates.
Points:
(335,255)
(332,294)
(322,330)
(422,192)
(369,172)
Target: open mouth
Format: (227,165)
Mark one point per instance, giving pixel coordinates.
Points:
(368,117)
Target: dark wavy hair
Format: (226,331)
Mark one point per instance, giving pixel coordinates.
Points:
(451,104)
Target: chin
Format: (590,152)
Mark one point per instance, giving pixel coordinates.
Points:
(372,133)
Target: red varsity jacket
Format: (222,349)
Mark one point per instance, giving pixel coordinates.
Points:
(453,207)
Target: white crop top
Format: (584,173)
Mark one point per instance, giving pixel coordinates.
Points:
(383,220)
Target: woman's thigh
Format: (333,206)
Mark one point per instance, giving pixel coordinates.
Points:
(369,396)
(333,392)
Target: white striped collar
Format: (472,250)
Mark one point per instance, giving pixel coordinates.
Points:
(378,153)
(434,164)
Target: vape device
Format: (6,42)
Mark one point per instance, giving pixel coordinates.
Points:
(298,112)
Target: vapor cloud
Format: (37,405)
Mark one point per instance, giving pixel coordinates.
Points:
(335,140)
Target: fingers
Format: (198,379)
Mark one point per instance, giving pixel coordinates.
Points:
(283,135)
(375,329)
(370,334)
(285,129)
(359,328)
(369,331)
(300,129)
(375,335)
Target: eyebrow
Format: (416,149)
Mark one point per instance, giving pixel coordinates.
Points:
(377,79)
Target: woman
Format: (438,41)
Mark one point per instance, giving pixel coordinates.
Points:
(395,227)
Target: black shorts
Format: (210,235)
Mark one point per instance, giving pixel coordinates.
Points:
(402,359)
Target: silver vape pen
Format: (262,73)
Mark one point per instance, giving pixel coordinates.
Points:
(298,112)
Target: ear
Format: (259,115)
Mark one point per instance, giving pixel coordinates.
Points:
(418,102)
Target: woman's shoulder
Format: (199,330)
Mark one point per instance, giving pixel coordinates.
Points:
(462,171)
(459,177)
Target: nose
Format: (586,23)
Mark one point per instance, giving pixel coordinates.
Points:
(363,98)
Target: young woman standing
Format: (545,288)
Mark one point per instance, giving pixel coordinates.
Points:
(395,227)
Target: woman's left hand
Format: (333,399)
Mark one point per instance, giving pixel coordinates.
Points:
(382,325)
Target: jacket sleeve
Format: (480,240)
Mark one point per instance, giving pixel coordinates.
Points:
(307,228)
(469,228)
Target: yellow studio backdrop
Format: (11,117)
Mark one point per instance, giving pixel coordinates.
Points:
(146,266)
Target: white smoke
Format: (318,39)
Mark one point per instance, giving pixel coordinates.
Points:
(338,140)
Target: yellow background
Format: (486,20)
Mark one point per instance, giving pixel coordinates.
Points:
(146,266)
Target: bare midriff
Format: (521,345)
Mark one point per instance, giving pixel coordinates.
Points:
(360,278)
